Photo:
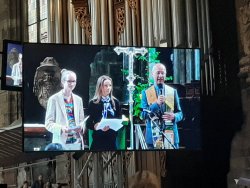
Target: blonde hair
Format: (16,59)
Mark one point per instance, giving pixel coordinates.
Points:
(144,179)
(98,90)
(65,73)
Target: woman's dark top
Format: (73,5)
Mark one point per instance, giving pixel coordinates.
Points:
(102,140)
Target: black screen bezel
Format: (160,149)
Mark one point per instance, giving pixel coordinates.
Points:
(4,85)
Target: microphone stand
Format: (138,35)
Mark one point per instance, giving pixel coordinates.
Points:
(160,128)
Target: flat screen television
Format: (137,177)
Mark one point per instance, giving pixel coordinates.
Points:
(12,65)
(53,117)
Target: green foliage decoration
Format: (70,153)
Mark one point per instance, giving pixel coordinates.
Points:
(142,83)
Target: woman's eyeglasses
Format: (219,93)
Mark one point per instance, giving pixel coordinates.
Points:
(71,81)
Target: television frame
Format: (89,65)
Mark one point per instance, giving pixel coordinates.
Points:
(5,64)
(45,47)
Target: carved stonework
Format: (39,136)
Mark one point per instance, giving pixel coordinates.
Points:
(132,4)
(244,23)
(119,18)
(81,12)
(83,17)
(244,73)
(120,21)
(127,158)
(163,163)
(86,24)
(47,80)
(240,146)
(63,169)
(244,27)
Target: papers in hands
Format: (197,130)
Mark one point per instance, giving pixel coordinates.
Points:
(114,124)
(84,122)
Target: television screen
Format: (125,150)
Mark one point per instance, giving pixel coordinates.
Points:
(12,65)
(109,98)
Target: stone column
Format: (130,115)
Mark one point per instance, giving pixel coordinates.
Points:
(240,148)
(21,174)
(1,175)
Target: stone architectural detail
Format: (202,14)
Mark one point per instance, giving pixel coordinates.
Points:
(1,175)
(240,147)
(119,17)
(244,28)
(47,80)
(21,175)
(163,156)
(10,101)
(83,17)
(120,21)
(63,169)
(244,73)
(244,23)
(132,4)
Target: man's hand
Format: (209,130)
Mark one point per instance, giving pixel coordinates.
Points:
(168,116)
(161,99)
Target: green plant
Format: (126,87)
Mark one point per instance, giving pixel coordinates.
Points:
(137,98)
(142,83)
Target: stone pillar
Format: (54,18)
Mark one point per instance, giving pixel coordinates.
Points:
(1,176)
(10,28)
(21,174)
(240,148)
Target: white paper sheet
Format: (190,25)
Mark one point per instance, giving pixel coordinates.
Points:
(114,124)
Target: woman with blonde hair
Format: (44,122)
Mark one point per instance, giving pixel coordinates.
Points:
(103,105)
(65,116)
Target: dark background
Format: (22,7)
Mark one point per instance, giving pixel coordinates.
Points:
(221,114)
(72,57)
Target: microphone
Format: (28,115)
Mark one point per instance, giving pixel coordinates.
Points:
(148,111)
(160,86)
(153,116)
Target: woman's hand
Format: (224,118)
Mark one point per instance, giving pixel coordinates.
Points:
(106,128)
(96,125)
(76,129)
(65,129)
